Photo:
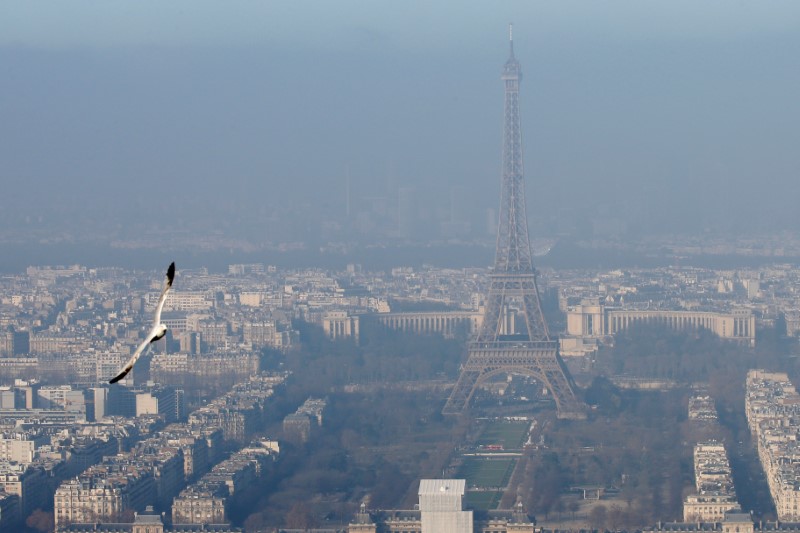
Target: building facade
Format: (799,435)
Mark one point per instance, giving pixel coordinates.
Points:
(440,510)
(448,323)
(593,320)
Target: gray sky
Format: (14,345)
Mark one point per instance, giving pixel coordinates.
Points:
(669,116)
(406,25)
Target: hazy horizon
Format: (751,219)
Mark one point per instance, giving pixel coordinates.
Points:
(637,118)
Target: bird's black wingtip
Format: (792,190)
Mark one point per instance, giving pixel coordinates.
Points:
(171,272)
(117,378)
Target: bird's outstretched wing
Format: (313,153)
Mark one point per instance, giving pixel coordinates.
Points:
(153,331)
(163,297)
(132,361)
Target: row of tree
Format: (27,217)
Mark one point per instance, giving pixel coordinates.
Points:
(372,445)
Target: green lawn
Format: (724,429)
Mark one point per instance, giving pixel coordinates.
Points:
(510,434)
(482,501)
(485,472)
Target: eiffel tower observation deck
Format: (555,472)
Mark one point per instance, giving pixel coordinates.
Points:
(514,338)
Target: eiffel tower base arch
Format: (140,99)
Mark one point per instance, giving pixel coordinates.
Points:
(537,359)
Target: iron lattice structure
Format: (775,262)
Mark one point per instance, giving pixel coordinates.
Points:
(513,338)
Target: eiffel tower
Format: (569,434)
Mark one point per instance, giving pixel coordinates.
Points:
(514,338)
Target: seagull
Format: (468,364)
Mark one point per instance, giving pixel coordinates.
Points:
(156,332)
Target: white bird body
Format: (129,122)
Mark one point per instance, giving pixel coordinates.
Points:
(156,332)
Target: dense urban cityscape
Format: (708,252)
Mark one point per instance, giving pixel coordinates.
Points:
(353,335)
(185,433)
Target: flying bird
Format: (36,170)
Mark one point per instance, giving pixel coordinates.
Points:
(156,332)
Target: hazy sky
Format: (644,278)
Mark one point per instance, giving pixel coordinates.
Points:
(667,115)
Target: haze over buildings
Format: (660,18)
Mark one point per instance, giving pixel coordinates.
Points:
(366,135)
(315,123)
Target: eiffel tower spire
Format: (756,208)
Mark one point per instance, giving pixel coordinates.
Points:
(513,338)
(513,245)
(513,264)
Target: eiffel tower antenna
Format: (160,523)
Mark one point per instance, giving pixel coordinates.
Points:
(513,338)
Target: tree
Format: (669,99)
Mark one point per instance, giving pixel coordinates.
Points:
(255,522)
(300,516)
(598,517)
(127,515)
(41,521)
(616,517)
(560,507)
(573,508)
(629,491)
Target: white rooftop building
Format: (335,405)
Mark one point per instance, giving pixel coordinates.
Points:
(441,506)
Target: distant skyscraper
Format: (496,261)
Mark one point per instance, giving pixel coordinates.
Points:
(347,206)
(406,212)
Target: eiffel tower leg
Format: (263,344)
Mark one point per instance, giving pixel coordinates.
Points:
(461,393)
(563,391)
(537,327)
(492,317)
